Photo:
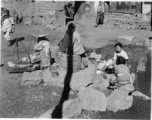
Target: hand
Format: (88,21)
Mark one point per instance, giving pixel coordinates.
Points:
(129,66)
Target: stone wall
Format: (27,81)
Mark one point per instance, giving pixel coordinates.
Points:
(43,12)
(127,21)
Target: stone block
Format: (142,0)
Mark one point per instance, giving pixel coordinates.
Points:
(92,99)
(126,40)
(148,42)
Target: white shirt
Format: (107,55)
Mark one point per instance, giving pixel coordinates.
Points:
(7,24)
(122,54)
(78,46)
(43,46)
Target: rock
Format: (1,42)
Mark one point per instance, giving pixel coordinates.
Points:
(82,78)
(101,87)
(92,99)
(47,76)
(126,40)
(119,99)
(55,74)
(150,51)
(139,43)
(141,95)
(71,108)
(141,67)
(47,114)
(148,43)
(28,22)
(100,79)
(143,59)
(52,27)
(32,78)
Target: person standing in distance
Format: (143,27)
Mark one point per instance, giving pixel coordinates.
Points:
(8,27)
(100,14)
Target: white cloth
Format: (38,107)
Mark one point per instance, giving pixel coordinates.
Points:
(7,24)
(7,28)
(122,53)
(44,53)
(101,8)
(43,45)
(7,36)
(109,62)
(78,46)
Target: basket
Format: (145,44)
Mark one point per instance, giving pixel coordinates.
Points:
(20,68)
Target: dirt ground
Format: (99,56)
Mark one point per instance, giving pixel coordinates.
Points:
(18,101)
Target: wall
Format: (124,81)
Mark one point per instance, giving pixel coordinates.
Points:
(46,9)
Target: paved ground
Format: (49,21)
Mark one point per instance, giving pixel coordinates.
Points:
(32,101)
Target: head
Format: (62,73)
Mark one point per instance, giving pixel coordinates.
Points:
(120,60)
(71,27)
(99,2)
(118,47)
(2,9)
(7,12)
(41,38)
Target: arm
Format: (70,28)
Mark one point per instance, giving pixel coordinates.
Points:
(5,25)
(127,59)
(59,44)
(103,8)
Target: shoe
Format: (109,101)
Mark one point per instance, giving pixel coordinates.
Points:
(96,26)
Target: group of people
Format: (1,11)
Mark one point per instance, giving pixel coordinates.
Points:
(116,70)
(18,18)
(43,50)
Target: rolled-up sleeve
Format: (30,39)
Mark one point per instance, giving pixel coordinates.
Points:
(126,57)
(115,56)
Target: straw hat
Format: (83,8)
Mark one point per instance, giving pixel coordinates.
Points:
(41,32)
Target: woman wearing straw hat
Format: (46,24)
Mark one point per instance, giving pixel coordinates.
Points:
(42,48)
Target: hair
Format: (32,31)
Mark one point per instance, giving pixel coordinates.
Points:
(2,9)
(7,12)
(118,44)
(120,60)
(71,26)
(42,38)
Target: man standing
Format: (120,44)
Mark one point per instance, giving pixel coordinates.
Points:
(100,14)
(14,15)
(8,27)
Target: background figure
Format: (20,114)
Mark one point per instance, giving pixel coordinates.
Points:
(8,27)
(17,18)
(14,15)
(100,14)
(2,15)
(20,18)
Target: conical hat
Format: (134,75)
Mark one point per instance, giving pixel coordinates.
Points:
(41,32)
